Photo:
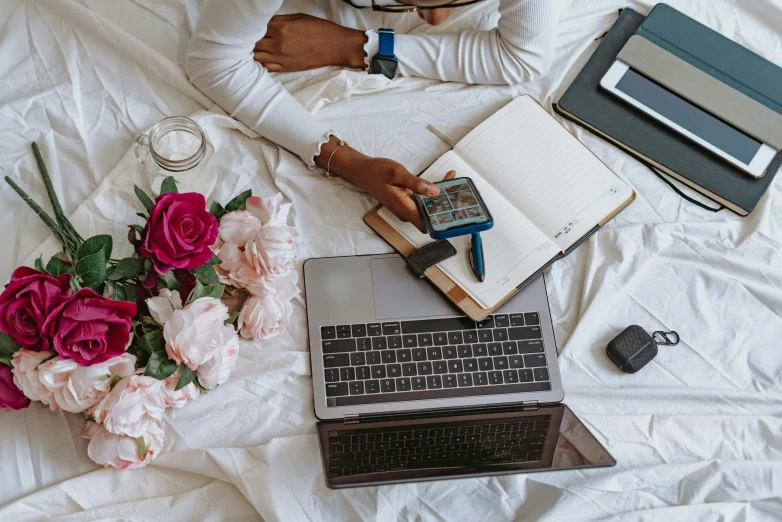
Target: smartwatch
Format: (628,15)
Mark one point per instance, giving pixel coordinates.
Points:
(384,62)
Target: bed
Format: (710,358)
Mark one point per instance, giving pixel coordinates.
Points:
(697,434)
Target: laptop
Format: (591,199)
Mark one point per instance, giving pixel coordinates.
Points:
(407,388)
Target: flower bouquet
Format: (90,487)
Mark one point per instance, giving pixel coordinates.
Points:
(121,340)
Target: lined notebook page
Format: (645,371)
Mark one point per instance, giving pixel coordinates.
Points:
(514,248)
(544,171)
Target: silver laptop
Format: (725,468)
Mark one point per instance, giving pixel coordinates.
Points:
(408,388)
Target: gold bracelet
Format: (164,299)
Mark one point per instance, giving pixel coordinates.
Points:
(328,173)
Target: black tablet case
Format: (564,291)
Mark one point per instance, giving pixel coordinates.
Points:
(641,135)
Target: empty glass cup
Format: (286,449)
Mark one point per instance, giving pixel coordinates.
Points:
(177,147)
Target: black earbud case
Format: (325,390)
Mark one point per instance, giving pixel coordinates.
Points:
(632,349)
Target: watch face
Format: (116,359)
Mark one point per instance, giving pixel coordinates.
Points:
(383,66)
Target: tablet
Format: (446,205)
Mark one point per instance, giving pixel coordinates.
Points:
(739,149)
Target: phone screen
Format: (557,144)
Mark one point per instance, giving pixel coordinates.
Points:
(457,205)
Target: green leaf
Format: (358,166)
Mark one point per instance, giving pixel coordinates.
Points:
(75,286)
(217,210)
(215,260)
(130,293)
(92,269)
(169,281)
(186,378)
(239,201)
(232,318)
(196,293)
(39,264)
(215,291)
(160,366)
(142,216)
(93,245)
(7,347)
(56,267)
(142,447)
(206,274)
(138,228)
(152,342)
(126,268)
(142,196)
(141,355)
(168,185)
(119,293)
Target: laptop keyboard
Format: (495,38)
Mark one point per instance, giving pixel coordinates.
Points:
(379,450)
(433,359)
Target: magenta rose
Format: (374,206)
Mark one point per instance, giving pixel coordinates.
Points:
(89,328)
(26,303)
(10,396)
(179,232)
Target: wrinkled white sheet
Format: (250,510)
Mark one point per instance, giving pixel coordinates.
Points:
(697,435)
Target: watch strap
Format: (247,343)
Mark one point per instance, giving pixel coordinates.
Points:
(425,257)
(386,42)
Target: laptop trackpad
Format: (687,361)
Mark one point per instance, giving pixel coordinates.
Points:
(398,293)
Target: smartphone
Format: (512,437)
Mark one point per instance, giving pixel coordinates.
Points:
(457,211)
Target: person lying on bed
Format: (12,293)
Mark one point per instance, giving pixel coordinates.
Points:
(236,44)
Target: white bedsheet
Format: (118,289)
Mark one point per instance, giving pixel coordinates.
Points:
(697,434)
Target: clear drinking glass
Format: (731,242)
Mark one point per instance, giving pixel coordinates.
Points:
(177,147)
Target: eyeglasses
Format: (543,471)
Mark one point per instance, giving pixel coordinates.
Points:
(413,8)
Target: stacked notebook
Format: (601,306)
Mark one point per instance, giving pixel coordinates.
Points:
(546,191)
(738,87)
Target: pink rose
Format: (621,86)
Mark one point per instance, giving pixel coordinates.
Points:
(273,251)
(10,396)
(122,451)
(89,328)
(26,303)
(179,232)
(25,365)
(194,334)
(178,398)
(239,227)
(271,212)
(132,406)
(163,306)
(264,317)
(75,388)
(216,370)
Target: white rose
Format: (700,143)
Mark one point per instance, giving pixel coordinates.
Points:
(122,451)
(25,369)
(271,211)
(75,388)
(217,370)
(273,251)
(264,317)
(163,306)
(177,399)
(133,406)
(193,334)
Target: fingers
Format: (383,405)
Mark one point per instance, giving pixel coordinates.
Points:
(451,174)
(264,44)
(402,178)
(406,210)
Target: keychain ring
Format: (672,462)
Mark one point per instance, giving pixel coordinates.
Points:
(666,340)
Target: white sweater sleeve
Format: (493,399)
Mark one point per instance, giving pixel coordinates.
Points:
(220,63)
(518,50)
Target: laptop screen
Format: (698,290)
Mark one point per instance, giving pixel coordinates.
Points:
(411,448)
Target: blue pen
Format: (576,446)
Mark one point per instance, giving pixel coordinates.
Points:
(476,257)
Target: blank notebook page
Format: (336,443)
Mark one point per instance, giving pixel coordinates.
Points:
(544,171)
(514,248)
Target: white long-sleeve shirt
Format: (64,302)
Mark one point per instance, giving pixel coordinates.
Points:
(220,63)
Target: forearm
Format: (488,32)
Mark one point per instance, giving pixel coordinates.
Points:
(519,50)
(220,63)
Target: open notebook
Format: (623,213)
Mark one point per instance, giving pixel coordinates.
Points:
(546,191)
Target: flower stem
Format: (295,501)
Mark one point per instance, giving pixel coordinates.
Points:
(66,241)
(63,221)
